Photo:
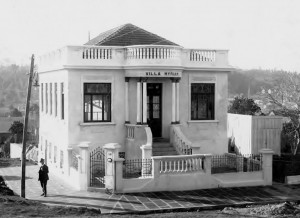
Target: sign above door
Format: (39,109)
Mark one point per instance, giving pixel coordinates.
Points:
(153,73)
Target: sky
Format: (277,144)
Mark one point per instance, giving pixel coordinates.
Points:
(258,33)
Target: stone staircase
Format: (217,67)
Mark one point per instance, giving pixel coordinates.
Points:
(162,147)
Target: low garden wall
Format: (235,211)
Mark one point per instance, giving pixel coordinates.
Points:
(187,172)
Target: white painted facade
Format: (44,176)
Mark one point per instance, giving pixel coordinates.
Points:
(129,70)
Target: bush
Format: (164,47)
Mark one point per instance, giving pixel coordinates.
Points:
(16,130)
(246,106)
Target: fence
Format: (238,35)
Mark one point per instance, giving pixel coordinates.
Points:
(248,134)
(236,163)
(137,168)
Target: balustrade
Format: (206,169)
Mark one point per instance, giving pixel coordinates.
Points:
(180,142)
(180,164)
(132,55)
(130,131)
(203,55)
(97,53)
(152,52)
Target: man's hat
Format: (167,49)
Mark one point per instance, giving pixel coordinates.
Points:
(42,160)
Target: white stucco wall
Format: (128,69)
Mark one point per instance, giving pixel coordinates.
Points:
(210,135)
(54,129)
(96,133)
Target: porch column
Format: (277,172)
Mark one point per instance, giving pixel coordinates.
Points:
(177,101)
(145,101)
(138,102)
(126,100)
(173,101)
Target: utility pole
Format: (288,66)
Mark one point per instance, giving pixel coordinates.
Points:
(25,128)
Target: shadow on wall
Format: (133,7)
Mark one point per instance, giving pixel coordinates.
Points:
(232,148)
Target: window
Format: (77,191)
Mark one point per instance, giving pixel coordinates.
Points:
(61,159)
(55,153)
(50,150)
(202,101)
(97,102)
(46,97)
(62,101)
(55,99)
(41,144)
(50,98)
(42,96)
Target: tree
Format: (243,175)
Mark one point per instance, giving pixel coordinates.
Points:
(285,94)
(16,130)
(15,113)
(34,108)
(246,106)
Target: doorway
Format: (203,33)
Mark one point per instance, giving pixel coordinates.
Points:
(154,108)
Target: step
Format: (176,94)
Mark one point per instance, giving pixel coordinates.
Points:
(161,145)
(163,149)
(160,140)
(164,153)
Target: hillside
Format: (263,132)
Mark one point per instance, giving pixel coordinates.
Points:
(251,82)
(13,87)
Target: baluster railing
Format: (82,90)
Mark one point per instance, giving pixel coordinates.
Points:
(180,164)
(130,131)
(152,52)
(180,142)
(203,55)
(97,53)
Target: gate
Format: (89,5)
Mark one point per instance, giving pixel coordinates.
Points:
(97,168)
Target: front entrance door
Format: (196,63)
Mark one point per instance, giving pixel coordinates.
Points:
(154,108)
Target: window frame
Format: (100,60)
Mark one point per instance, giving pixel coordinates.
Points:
(213,100)
(62,96)
(47,98)
(42,97)
(91,97)
(55,99)
(51,98)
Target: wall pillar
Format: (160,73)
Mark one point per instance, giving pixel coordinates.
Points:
(173,101)
(68,161)
(111,154)
(267,165)
(83,166)
(155,167)
(177,101)
(138,102)
(119,174)
(126,100)
(207,164)
(146,151)
(144,101)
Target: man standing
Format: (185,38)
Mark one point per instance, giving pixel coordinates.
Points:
(43,176)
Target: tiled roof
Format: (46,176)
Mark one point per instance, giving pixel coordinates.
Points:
(127,35)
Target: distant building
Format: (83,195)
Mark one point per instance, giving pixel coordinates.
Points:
(125,82)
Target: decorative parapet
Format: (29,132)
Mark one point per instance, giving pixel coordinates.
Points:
(132,56)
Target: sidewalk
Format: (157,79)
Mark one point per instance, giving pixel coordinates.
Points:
(60,193)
